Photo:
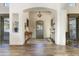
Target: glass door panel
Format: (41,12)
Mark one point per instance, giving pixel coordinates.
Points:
(72,28)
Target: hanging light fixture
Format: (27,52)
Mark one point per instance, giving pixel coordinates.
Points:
(39,14)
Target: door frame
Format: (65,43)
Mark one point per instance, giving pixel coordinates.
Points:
(2,17)
(68,32)
(43,28)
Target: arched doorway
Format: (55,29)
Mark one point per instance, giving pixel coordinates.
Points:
(40,23)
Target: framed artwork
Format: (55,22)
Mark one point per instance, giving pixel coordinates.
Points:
(15,22)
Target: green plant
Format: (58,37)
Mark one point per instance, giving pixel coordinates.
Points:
(69,42)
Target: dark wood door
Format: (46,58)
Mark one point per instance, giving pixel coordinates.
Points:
(39,29)
(77,28)
(1,29)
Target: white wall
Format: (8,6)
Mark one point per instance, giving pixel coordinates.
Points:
(19,7)
(3,9)
(18,39)
(73,10)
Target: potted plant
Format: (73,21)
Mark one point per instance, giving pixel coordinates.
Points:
(69,42)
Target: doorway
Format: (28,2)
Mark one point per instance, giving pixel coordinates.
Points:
(39,29)
(73,30)
(40,24)
(4,29)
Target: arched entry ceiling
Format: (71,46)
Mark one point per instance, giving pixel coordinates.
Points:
(42,9)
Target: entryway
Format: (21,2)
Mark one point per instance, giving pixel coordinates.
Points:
(39,24)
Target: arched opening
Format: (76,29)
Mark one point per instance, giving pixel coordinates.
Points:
(41,24)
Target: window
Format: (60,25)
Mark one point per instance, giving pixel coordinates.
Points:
(6,24)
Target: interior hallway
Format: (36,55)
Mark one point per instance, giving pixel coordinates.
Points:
(38,49)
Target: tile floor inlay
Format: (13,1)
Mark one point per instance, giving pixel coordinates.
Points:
(38,49)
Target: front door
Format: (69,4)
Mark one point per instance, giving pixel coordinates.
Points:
(39,29)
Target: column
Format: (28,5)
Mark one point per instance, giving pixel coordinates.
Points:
(61,25)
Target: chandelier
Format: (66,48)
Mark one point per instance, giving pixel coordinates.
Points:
(39,14)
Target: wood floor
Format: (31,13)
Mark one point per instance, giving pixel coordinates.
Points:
(38,48)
